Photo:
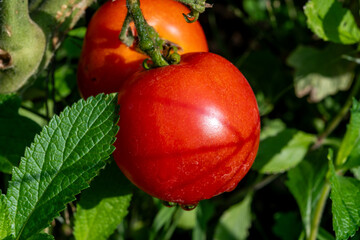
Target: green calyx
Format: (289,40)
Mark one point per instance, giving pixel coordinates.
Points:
(196,7)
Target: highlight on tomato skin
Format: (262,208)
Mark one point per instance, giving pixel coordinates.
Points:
(105,62)
(188,132)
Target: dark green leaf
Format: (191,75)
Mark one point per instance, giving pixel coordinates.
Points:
(324,235)
(264,70)
(283,151)
(162,218)
(331,22)
(66,155)
(103,206)
(305,183)
(204,212)
(321,73)
(16,132)
(345,196)
(42,236)
(287,225)
(349,152)
(234,224)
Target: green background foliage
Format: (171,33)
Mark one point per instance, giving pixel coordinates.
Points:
(57,177)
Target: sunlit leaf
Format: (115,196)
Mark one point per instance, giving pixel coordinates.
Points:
(321,72)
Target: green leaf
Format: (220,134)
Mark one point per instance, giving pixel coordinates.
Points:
(349,152)
(264,70)
(17,132)
(324,235)
(287,225)
(187,220)
(283,151)
(66,155)
(345,196)
(271,128)
(321,73)
(64,81)
(78,32)
(162,219)
(103,206)
(255,9)
(204,211)
(5,223)
(305,182)
(356,172)
(235,223)
(331,22)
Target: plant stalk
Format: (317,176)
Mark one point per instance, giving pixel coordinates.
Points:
(320,206)
(149,40)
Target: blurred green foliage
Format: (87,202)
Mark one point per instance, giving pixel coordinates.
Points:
(301,59)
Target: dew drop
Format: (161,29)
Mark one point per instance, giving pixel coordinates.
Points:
(188,207)
(168,204)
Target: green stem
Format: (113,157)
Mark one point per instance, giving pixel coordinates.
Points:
(341,114)
(315,223)
(126,35)
(149,40)
(196,7)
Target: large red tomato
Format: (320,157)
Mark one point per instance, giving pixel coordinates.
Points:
(105,62)
(189,131)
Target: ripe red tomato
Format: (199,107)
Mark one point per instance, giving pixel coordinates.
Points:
(105,62)
(189,131)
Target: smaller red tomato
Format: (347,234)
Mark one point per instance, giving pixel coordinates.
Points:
(189,131)
(105,62)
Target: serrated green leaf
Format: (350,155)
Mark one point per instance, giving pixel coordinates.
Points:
(287,225)
(345,196)
(234,224)
(349,152)
(321,73)
(16,132)
(331,22)
(103,206)
(282,151)
(305,182)
(66,155)
(5,224)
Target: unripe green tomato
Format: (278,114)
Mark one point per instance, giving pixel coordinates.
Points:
(189,131)
(105,62)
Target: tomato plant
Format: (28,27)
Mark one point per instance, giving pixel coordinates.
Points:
(301,59)
(106,62)
(189,131)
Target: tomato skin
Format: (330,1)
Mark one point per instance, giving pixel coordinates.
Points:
(105,62)
(189,131)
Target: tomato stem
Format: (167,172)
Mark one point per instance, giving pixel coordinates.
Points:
(196,7)
(149,40)
(126,35)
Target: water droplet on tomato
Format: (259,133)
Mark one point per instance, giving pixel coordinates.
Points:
(188,207)
(168,204)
